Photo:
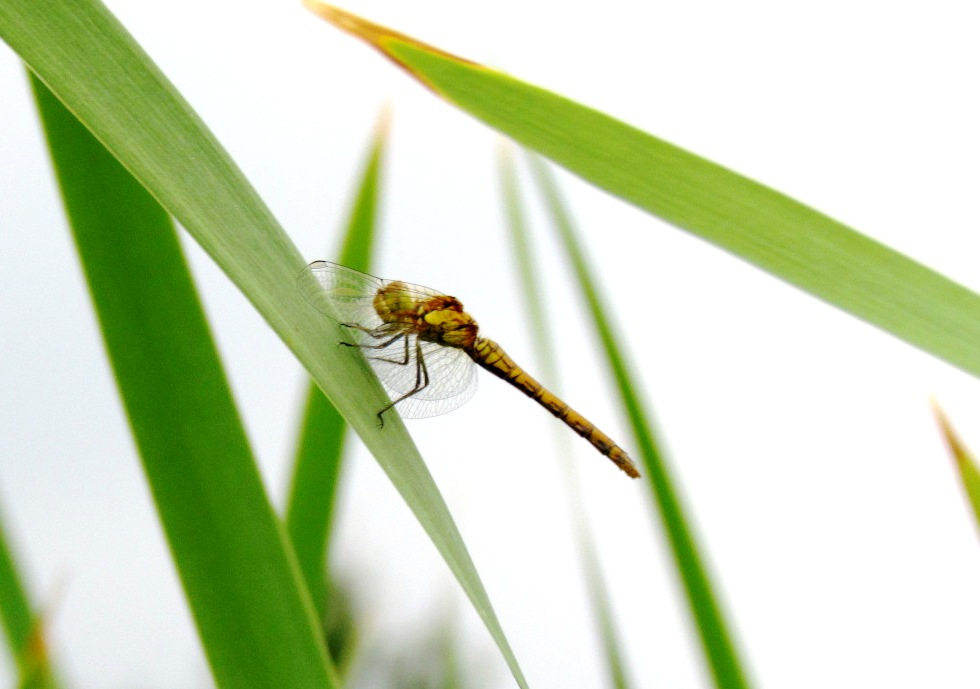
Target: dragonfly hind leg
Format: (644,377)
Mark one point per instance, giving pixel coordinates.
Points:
(421,379)
(421,371)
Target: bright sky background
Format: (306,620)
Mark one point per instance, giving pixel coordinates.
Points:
(802,438)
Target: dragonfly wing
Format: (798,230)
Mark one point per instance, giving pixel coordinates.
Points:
(344,294)
(452,377)
(347,296)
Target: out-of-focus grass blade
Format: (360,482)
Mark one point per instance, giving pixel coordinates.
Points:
(313,489)
(22,626)
(251,609)
(34,664)
(537,322)
(88,60)
(602,609)
(537,315)
(966,464)
(762,226)
(716,641)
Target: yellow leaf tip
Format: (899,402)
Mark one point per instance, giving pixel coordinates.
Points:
(373,34)
(953,442)
(382,125)
(345,21)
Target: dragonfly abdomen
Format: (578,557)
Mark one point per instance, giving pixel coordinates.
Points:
(491,356)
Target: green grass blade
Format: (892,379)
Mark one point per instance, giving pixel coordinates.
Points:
(18,618)
(537,315)
(23,628)
(762,226)
(716,641)
(251,609)
(602,609)
(966,463)
(81,52)
(544,345)
(313,489)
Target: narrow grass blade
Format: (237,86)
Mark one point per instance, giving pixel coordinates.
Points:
(966,463)
(541,330)
(537,315)
(22,627)
(251,609)
(762,226)
(313,489)
(88,60)
(602,610)
(716,641)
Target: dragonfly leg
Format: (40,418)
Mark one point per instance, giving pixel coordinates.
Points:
(421,379)
(382,345)
(403,362)
(378,333)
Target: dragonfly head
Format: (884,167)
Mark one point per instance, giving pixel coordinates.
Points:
(450,325)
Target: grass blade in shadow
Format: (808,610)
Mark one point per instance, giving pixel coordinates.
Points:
(716,640)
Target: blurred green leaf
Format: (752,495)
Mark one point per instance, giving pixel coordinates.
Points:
(22,626)
(716,640)
(313,489)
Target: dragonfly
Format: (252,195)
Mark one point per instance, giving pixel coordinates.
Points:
(425,348)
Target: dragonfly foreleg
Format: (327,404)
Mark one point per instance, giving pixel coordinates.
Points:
(421,378)
(378,333)
(375,334)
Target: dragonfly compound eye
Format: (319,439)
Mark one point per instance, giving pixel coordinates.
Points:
(454,328)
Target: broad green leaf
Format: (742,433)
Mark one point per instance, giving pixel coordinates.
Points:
(966,463)
(88,60)
(251,608)
(716,641)
(776,233)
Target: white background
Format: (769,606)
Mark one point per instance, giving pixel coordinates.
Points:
(801,437)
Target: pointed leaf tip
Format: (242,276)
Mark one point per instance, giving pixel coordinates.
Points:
(376,35)
(382,126)
(965,463)
(953,442)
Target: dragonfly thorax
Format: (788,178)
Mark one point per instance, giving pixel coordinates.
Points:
(433,318)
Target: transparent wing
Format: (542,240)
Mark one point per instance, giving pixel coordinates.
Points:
(347,296)
(451,372)
(344,294)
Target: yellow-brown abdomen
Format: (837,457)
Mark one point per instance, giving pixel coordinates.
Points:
(493,358)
